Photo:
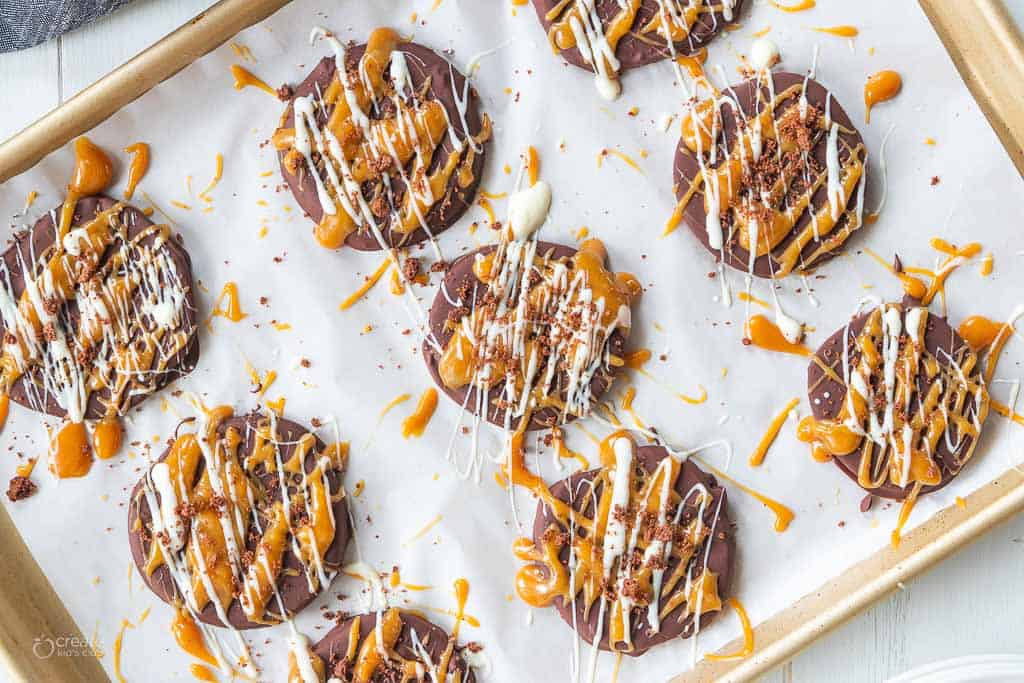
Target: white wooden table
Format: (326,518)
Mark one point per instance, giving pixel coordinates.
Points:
(969,605)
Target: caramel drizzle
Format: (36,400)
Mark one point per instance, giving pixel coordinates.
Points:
(377,653)
(210,475)
(550,318)
(621,542)
(766,223)
(132,311)
(576,24)
(354,149)
(897,439)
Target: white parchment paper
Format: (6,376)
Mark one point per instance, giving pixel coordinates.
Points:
(77,531)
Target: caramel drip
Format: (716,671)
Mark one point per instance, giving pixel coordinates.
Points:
(880,87)
(416,424)
(763,333)
(70,455)
(396,401)
(986,265)
(564,452)
(694,64)
(532,166)
(26,468)
(744,296)
(748,635)
(897,444)
(137,168)
(905,510)
(118,646)
(626,159)
(216,476)
(218,173)
(227,306)
(912,286)
(107,436)
(1008,413)
(189,638)
(979,332)
(840,31)
(783,515)
(800,6)
(637,359)
(92,175)
(757,457)
(202,673)
(403,144)
(773,214)
(545,577)
(367,285)
(915,287)
(245,78)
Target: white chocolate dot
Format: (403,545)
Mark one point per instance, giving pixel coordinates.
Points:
(764,54)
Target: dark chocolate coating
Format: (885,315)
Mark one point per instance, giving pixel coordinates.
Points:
(634,51)
(333,646)
(720,560)
(940,339)
(687,167)
(461,271)
(423,64)
(30,245)
(291,583)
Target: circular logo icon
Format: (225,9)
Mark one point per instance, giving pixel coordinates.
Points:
(43,647)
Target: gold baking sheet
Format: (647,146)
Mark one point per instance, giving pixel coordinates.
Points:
(989,53)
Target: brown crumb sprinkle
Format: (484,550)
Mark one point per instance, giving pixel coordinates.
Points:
(20,488)
(411,268)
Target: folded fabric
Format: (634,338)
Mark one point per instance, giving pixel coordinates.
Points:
(24,23)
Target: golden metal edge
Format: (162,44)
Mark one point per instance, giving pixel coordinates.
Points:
(987,48)
(31,606)
(128,82)
(32,610)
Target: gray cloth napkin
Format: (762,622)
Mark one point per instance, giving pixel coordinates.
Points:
(24,23)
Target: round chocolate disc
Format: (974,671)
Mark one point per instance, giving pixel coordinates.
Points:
(460,283)
(333,647)
(292,582)
(716,552)
(432,78)
(643,44)
(797,168)
(827,396)
(31,250)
